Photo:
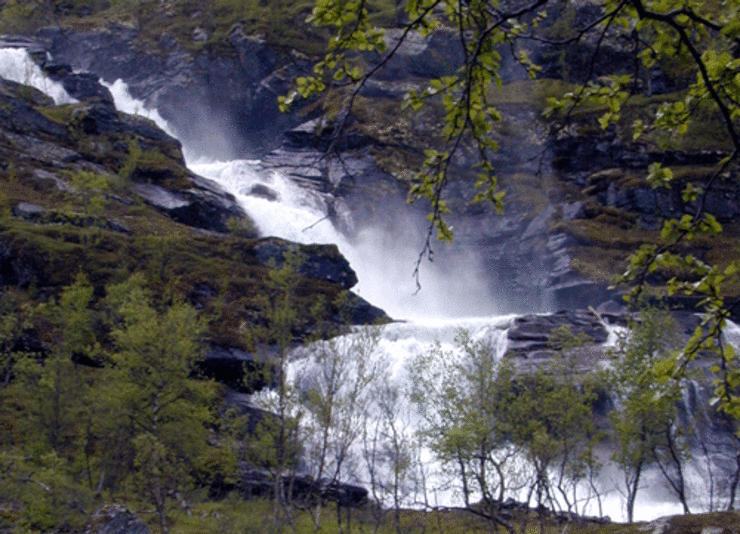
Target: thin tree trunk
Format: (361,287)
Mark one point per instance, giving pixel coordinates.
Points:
(632,493)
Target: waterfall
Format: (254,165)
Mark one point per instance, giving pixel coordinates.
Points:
(448,302)
(18,66)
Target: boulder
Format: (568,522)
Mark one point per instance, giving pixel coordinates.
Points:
(19,113)
(115,519)
(262,191)
(83,86)
(28,211)
(258,483)
(199,207)
(531,333)
(322,262)
(97,118)
(359,311)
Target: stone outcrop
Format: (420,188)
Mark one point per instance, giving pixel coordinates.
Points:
(257,483)
(53,143)
(115,519)
(222,104)
(319,262)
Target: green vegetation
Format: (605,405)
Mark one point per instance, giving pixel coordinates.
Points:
(499,431)
(692,40)
(197,25)
(646,420)
(108,404)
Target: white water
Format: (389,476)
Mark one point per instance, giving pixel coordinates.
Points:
(383,260)
(16,65)
(384,264)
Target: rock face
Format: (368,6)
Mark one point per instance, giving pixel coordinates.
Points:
(222,105)
(54,143)
(115,519)
(330,267)
(256,483)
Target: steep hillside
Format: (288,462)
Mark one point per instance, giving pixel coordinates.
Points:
(89,189)
(576,201)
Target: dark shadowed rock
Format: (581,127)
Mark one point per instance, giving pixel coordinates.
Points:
(229,366)
(198,207)
(83,86)
(28,211)
(115,519)
(14,270)
(359,311)
(18,110)
(531,333)
(97,119)
(258,483)
(262,191)
(322,262)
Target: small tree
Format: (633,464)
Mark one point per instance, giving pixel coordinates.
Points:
(275,443)
(167,409)
(459,398)
(91,188)
(337,379)
(45,409)
(388,449)
(548,415)
(645,421)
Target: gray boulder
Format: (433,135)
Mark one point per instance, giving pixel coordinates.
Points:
(322,262)
(115,519)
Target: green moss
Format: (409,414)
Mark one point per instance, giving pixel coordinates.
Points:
(529,92)
(155,167)
(59,114)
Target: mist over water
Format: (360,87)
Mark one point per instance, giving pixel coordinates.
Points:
(384,258)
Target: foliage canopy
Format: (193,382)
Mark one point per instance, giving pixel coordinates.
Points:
(700,37)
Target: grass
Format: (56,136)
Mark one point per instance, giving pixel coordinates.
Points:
(281,23)
(175,258)
(235,515)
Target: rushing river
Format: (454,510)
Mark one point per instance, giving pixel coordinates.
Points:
(448,301)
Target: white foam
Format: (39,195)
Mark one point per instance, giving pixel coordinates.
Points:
(17,65)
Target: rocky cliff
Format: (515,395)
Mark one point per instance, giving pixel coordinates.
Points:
(576,203)
(86,185)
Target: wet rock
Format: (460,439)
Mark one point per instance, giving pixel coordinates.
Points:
(160,197)
(359,311)
(200,94)
(262,191)
(28,211)
(198,207)
(115,519)
(82,86)
(536,332)
(322,262)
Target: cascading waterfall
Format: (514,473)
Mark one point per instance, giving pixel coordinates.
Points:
(384,268)
(18,66)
